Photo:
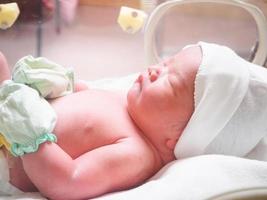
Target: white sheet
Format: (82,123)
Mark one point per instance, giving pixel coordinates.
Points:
(198,178)
(194,178)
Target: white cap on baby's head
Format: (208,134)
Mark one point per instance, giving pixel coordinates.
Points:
(224,103)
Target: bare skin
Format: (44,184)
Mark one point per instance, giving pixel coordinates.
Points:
(108,141)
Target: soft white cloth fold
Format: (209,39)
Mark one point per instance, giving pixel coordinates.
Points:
(230,106)
(198,178)
(195,178)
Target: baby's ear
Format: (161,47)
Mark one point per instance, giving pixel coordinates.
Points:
(80,85)
(170,143)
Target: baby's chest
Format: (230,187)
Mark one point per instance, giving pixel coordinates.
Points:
(81,130)
(79,139)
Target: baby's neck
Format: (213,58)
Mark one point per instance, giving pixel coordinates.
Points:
(162,157)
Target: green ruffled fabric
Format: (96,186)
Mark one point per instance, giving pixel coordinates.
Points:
(21,149)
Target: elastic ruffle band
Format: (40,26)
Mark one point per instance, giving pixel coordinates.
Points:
(21,149)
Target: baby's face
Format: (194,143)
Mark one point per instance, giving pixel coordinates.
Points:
(161,99)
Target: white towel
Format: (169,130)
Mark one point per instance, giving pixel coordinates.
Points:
(230,106)
(198,178)
(195,178)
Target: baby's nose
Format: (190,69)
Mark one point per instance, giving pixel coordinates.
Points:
(153,73)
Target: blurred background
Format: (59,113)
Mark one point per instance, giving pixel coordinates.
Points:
(84,34)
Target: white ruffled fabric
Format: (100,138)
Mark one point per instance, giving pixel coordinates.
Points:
(230,106)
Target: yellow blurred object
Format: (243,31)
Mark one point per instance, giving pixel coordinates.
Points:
(8,14)
(3,142)
(131,20)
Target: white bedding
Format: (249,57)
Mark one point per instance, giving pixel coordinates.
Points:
(198,178)
(194,178)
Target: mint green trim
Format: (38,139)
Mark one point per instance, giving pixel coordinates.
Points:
(21,149)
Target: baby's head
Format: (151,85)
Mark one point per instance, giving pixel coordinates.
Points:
(162,99)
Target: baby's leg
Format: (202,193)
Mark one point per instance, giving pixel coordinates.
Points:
(4,69)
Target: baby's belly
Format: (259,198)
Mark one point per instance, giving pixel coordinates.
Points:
(88,120)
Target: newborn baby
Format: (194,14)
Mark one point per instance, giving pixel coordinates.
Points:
(106,143)
(109,141)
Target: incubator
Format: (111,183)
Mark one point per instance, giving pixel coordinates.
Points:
(236,24)
(86,36)
(108,52)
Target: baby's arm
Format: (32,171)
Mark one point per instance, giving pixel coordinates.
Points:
(105,169)
(4,69)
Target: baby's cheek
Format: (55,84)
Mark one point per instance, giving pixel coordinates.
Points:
(151,98)
(156,89)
